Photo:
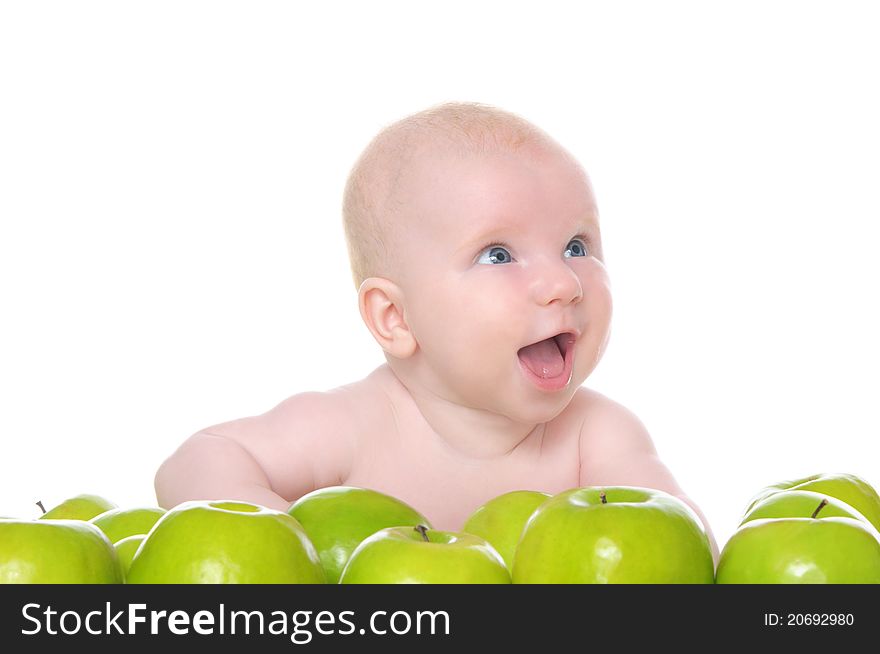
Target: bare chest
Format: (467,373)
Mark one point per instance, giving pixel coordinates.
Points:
(447,495)
(394,455)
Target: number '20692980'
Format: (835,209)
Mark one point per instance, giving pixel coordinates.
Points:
(808,619)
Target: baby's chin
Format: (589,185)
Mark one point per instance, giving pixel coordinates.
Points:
(508,393)
(534,406)
(546,407)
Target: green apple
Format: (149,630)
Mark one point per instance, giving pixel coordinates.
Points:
(851,489)
(81,507)
(500,521)
(419,555)
(126,549)
(121,523)
(800,504)
(613,534)
(338,518)
(807,550)
(225,542)
(56,552)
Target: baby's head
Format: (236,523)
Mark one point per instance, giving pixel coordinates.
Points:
(472,234)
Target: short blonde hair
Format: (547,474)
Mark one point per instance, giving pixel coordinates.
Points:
(371,197)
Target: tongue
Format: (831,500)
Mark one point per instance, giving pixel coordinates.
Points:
(544,358)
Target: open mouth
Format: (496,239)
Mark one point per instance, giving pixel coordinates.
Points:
(549,360)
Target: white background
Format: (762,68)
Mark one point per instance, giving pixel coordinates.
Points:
(172,254)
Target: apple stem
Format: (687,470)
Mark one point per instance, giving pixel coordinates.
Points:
(40,504)
(602,497)
(819,508)
(423,530)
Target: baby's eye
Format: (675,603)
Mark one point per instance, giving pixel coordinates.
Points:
(577,248)
(497,254)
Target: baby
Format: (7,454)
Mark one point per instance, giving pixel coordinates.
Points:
(475,247)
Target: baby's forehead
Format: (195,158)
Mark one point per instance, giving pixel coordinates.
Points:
(456,198)
(459,170)
(500,179)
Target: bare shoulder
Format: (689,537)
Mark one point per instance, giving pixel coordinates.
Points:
(304,442)
(286,420)
(609,429)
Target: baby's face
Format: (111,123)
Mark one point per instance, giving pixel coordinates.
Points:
(499,252)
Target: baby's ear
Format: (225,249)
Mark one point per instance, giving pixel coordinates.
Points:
(381,305)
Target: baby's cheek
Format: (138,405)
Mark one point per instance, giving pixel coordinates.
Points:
(597,290)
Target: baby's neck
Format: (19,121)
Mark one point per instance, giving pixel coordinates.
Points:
(472,434)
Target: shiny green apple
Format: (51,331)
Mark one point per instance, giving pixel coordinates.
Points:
(126,549)
(121,523)
(418,555)
(81,507)
(811,550)
(56,552)
(338,518)
(500,521)
(225,542)
(851,489)
(800,504)
(613,534)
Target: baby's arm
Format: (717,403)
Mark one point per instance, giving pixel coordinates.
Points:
(271,459)
(616,449)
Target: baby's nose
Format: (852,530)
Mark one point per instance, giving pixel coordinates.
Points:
(556,282)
